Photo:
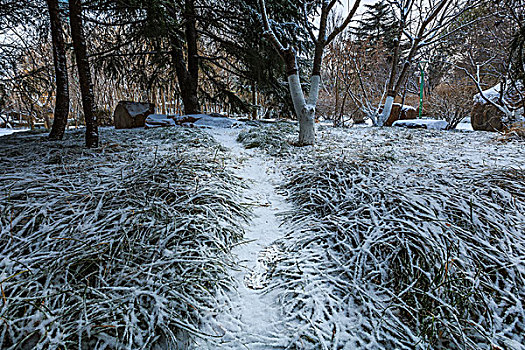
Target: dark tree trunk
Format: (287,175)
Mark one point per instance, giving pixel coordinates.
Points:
(84,74)
(187,75)
(61,80)
(254,101)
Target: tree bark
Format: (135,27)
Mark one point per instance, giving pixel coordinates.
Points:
(305,109)
(391,91)
(187,75)
(61,80)
(255,110)
(84,73)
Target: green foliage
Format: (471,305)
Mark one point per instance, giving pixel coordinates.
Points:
(378,25)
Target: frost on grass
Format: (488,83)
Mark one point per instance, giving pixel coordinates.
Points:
(394,243)
(274,138)
(122,247)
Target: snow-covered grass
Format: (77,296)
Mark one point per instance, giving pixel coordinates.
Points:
(121,247)
(275,140)
(403,239)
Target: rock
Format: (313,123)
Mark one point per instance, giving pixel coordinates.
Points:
(431,124)
(400,112)
(129,114)
(206,121)
(218,115)
(159,120)
(190,120)
(486,117)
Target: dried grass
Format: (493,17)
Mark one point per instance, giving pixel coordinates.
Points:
(516,132)
(388,254)
(275,139)
(122,247)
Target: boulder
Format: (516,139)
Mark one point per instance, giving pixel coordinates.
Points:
(486,117)
(430,124)
(129,114)
(160,120)
(401,112)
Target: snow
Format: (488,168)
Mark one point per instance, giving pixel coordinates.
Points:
(252,319)
(207,121)
(422,124)
(144,223)
(465,126)
(378,215)
(204,121)
(8,131)
(493,94)
(158,120)
(136,108)
(406,107)
(326,225)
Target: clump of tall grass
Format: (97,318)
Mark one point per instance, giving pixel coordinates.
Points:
(122,247)
(404,258)
(273,138)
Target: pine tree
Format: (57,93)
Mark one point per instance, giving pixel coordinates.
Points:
(61,79)
(378,25)
(84,73)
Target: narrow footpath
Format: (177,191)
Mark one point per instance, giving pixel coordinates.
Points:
(250,318)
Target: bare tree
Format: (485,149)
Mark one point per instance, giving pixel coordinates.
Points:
(421,23)
(305,108)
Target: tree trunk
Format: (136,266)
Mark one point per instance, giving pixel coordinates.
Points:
(84,74)
(305,112)
(62,85)
(255,108)
(187,75)
(391,85)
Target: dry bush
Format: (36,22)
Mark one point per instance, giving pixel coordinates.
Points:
(515,132)
(452,101)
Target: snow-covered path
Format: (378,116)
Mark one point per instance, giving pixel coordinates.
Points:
(250,317)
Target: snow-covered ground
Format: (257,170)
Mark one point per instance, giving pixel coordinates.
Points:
(365,210)
(7,131)
(394,232)
(431,124)
(432,148)
(250,317)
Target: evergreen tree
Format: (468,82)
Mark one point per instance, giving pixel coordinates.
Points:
(84,72)
(61,78)
(378,25)
(213,48)
(236,32)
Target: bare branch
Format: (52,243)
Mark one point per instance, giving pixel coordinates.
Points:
(337,30)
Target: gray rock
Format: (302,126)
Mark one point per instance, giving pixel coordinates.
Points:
(129,114)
